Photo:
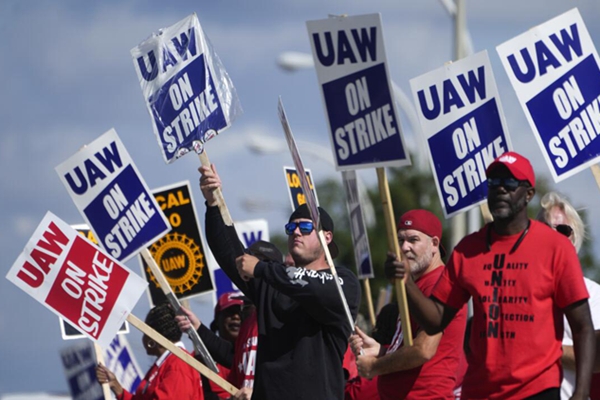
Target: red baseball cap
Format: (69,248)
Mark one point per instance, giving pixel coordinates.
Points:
(227,300)
(425,222)
(517,165)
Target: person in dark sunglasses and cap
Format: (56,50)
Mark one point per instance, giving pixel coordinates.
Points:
(558,213)
(303,329)
(522,276)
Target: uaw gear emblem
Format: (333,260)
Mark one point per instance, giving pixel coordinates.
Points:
(180,261)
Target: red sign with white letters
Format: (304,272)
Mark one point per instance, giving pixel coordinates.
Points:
(76,279)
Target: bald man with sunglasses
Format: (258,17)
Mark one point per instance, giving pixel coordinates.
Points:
(302,326)
(522,277)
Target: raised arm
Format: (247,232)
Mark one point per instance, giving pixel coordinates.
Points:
(578,315)
(222,239)
(220,349)
(433,315)
(406,357)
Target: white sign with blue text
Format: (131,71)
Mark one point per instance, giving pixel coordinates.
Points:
(79,363)
(187,91)
(253,230)
(110,193)
(554,69)
(462,119)
(355,84)
(358,227)
(119,359)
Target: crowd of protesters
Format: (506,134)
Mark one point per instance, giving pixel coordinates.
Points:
(286,334)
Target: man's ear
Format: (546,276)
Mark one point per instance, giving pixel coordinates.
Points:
(530,194)
(328,236)
(435,241)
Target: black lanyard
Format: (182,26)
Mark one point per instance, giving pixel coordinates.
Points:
(488,238)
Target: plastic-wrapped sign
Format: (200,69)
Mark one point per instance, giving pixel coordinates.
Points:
(187,91)
(461,116)
(555,71)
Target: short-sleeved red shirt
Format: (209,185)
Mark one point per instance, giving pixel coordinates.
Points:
(437,378)
(518,299)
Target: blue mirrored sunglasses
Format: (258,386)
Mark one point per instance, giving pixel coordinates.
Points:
(507,183)
(306,227)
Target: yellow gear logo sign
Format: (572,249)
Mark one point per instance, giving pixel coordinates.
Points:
(180,261)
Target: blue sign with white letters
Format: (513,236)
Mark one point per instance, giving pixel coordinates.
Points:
(111,195)
(461,116)
(554,69)
(352,71)
(187,91)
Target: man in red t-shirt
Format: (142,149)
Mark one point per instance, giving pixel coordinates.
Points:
(428,369)
(522,276)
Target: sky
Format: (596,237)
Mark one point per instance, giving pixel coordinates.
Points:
(69,78)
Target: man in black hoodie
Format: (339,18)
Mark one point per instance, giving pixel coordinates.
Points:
(302,326)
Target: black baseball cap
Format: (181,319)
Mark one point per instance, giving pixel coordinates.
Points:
(265,251)
(326,224)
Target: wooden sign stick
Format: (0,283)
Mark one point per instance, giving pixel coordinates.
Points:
(218,193)
(100,360)
(323,241)
(392,234)
(370,307)
(188,359)
(596,172)
(485,212)
(228,221)
(235,242)
(199,346)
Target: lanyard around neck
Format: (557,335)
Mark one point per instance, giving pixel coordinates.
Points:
(488,238)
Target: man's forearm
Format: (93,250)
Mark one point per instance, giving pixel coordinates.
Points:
(425,310)
(408,357)
(585,349)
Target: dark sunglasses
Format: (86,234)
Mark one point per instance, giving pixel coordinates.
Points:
(508,183)
(564,229)
(306,227)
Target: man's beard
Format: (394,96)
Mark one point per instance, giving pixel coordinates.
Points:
(513,209)
(421,263)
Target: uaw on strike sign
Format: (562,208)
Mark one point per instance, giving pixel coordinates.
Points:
(352,70)
(187,91)
(180,253)
(76,280)
(461,116)
(554,69)
(107,189)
